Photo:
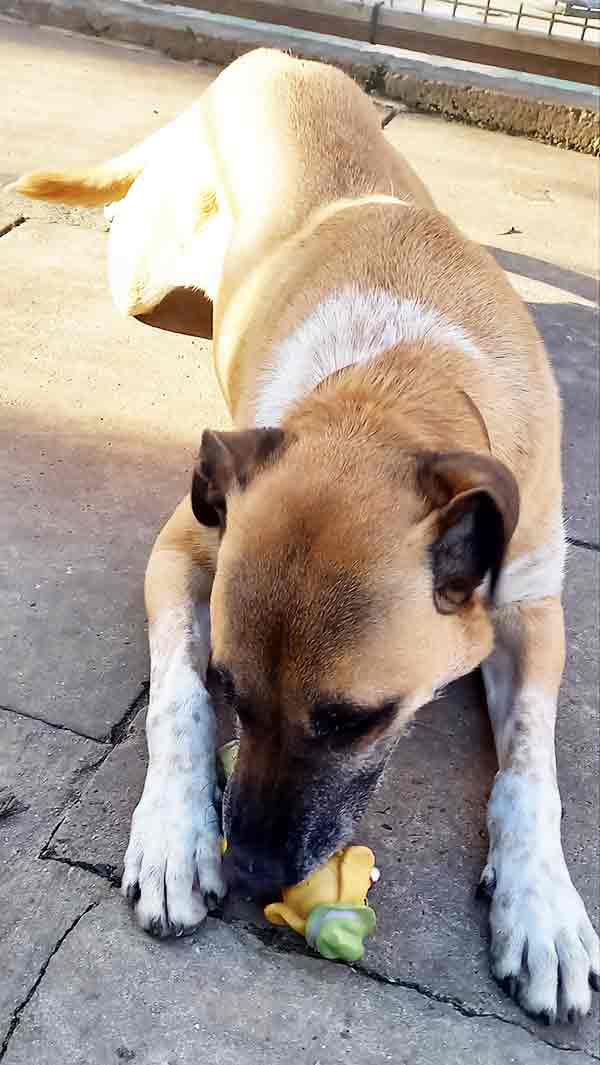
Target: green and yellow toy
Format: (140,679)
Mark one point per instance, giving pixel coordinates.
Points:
(330,907)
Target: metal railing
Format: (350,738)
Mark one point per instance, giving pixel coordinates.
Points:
(554,38)
(570,19)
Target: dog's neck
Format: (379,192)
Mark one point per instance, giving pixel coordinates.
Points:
(410,394)
(352,328)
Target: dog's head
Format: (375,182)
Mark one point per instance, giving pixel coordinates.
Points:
(345,596)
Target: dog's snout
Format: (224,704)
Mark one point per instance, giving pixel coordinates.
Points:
(260,876)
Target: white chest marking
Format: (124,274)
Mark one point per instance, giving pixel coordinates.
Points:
(537,574)
(353,325)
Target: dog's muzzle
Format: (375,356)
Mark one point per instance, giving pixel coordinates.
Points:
(259,876)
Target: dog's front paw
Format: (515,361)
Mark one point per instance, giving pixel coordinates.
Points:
(544,951)
(172,870)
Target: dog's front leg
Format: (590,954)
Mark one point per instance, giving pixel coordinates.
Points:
(544,949)
(172,864)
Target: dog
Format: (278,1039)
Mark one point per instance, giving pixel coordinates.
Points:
(384,518)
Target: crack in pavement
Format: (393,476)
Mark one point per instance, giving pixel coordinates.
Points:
(9,803)
(53,724)
(117,733)
(274,939)
(277,940)
(585,544)
(120,731)
(105,871)
(112,739)
(16,222)
(47,849)
(469,1011)
(17,1012)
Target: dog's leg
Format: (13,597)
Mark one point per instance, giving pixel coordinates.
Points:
(543,947)
(173,863)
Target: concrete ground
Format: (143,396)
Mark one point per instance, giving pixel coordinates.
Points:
(100,419)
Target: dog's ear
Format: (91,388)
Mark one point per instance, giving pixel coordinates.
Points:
(477,503)
(226,461)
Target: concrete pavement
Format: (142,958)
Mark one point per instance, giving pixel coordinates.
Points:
(100,419)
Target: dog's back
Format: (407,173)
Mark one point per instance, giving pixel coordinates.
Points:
(304,135)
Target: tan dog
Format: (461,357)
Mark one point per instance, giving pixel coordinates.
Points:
(386,518)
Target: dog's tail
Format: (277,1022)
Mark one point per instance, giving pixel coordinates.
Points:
(107,183)
(90,187)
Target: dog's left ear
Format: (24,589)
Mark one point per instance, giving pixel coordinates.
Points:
(226,461)
(477,502)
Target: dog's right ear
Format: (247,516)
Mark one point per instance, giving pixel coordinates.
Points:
(476,500)
(227,461)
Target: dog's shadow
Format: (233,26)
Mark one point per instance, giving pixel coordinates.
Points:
(559,277)
(184,310)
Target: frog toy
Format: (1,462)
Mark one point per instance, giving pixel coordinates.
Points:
(330,907)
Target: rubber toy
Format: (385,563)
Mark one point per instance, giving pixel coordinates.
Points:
(330,907)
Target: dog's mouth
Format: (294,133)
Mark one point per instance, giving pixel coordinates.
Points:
(256,870)
(259,878)
(278,838)
(255,866)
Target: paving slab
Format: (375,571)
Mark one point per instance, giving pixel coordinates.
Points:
(426,825)
(224,998)
(90,472)
(571,331)
(100,425)
(39,902)
(42,771)
(100,422)
(95,830)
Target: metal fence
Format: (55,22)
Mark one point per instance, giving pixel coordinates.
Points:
(554,38)
(571,19)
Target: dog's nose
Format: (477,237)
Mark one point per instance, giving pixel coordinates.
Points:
(257,875)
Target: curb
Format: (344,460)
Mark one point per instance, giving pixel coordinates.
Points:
(546,110)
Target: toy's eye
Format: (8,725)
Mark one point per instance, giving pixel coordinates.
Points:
(344,722)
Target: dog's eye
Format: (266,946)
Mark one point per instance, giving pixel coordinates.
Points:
(245,711)
(345,722)
(219,683)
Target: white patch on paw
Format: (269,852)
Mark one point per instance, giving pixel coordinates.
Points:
(544,949)
(173,861)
